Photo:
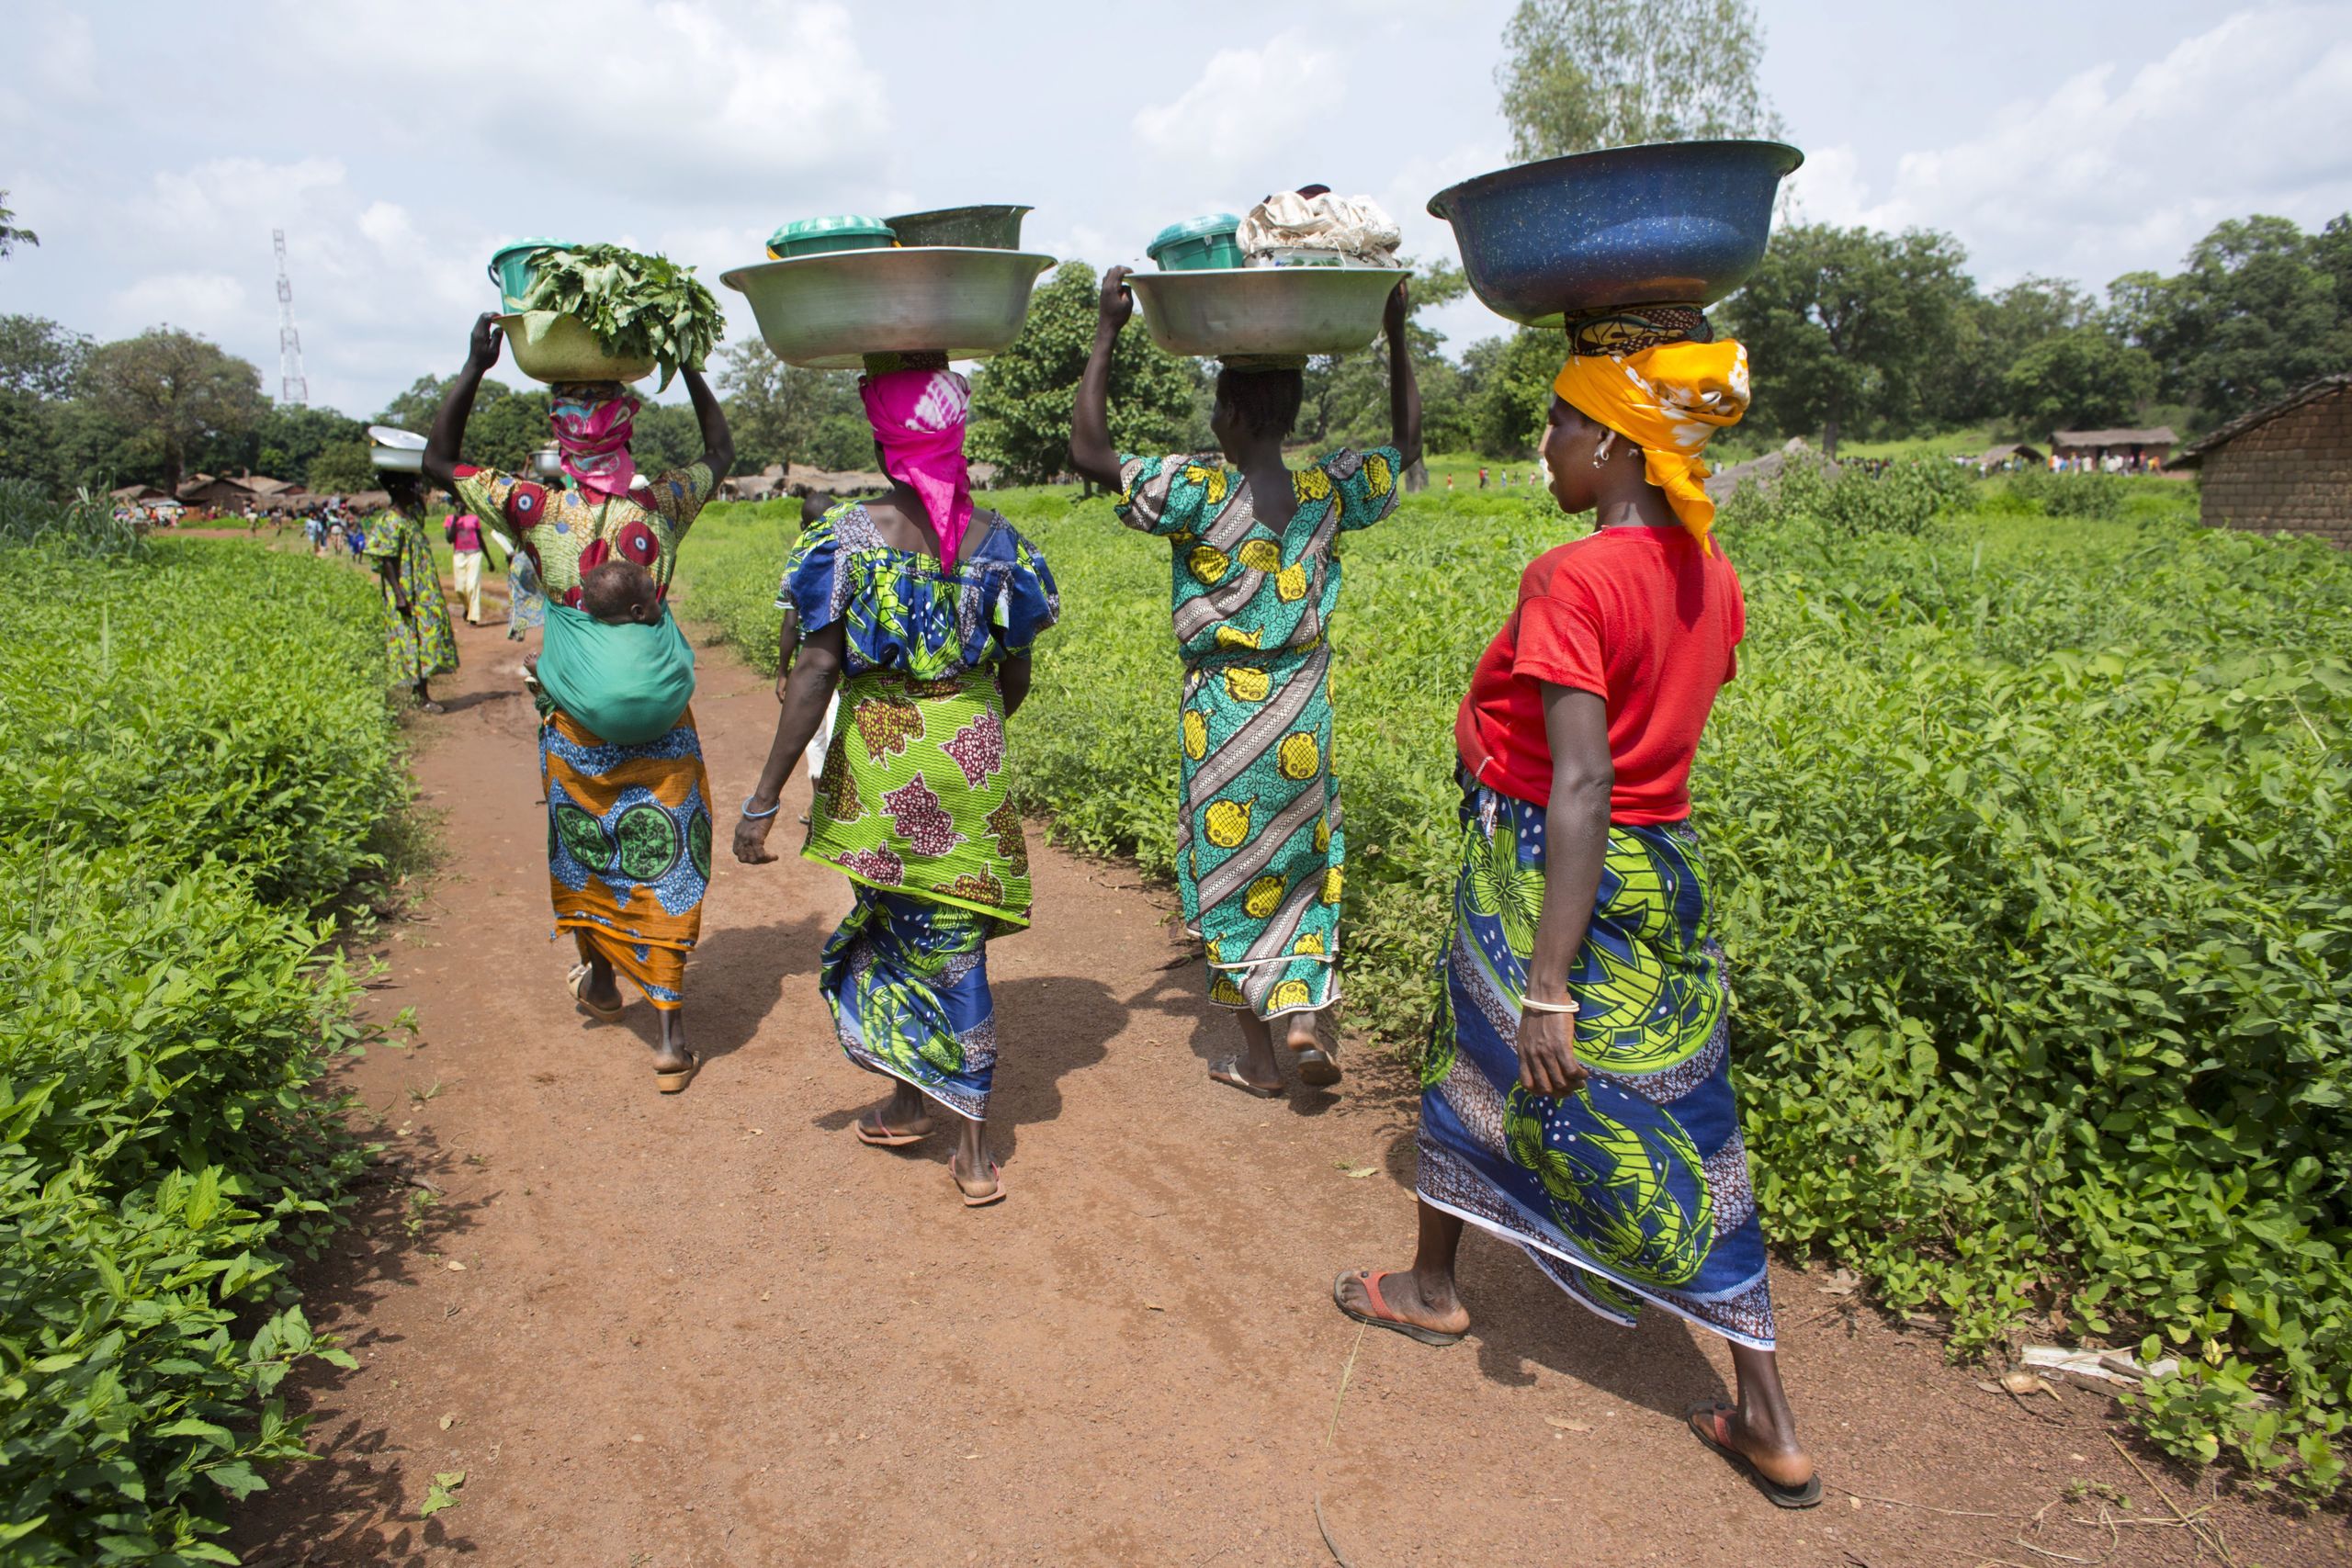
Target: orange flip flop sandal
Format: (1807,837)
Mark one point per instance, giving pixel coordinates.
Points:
(1380,1316)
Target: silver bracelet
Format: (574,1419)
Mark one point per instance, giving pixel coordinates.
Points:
(1531,1005)
(752,816)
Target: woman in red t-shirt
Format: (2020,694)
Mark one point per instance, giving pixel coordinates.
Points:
(1576,1091)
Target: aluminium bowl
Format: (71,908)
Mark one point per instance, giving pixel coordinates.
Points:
(977,228)
(827,312)
(1681,222)
(555,346)
(1265,309)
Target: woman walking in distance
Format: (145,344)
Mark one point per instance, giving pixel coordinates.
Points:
(1577,1089)
(1254,554)
(923,611)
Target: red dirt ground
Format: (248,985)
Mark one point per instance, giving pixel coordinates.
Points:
(713,1329)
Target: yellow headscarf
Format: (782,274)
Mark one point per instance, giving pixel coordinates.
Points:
(1669,401)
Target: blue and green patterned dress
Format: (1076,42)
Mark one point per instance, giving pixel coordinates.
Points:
(1260,855)
(915,803)
(421,644)
(1636,1189)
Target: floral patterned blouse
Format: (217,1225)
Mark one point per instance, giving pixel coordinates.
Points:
(565,533)
(1241,583)
(902,611)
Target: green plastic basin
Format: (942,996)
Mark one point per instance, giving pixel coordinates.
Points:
(818,236)
(1197,242)
(510,266)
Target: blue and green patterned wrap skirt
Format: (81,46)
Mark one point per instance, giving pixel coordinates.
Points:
(908,981)
(1636,1187)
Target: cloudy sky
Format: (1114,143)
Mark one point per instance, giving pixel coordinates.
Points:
(155,147)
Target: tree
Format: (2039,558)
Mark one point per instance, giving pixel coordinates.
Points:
(1992,332)
(1511,389)
(665,436)
(1578,74)
(10,235)
(289,438)
(340,468)
(181,390)
(2082,378)
(1021,403)
(1346,401)
(39,363)
(783,413)
(1850,330)
(2258,310)
(506,428)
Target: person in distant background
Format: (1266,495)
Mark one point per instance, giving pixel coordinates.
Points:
(416,630)
(463,531)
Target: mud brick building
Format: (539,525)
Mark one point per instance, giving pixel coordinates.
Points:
(2286,469)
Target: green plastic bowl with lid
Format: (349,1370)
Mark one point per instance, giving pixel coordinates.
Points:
(509,267)
(817,236)
(1197,242)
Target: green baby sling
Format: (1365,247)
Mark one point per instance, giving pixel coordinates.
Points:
(627,684)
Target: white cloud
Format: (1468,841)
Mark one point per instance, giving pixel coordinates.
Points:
(1246,101)
(55,52)
(2106,172)
(199,302)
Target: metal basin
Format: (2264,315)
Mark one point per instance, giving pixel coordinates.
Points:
(1265,309)
(554,345)
(1674,222)
(826,312)
(979,228)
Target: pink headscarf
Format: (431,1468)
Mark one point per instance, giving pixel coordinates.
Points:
(591,423)
(919,417)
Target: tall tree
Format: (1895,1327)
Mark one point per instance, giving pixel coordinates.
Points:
(2257,310)
(1345,398)
(1849,329)
(39,363)
(10,235)
(2084,378)
(1579,75)
(784,413)
(504,429)
(1021,402)
(182,389)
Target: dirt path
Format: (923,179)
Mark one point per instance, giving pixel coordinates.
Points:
(713,1329)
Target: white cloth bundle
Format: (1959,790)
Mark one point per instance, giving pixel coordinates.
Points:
(1356,226)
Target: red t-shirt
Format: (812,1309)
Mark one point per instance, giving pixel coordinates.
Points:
(1641,617)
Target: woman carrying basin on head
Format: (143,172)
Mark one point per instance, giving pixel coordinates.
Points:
(1577,1090)
(1255,550)
(628,806)
(417,633)
(923,612)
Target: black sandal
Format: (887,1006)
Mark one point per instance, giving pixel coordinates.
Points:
(1805,1497)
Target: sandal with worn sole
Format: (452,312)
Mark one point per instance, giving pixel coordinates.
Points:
(1316,1067)
(1380,1316)
(1228,1071)
(675,1079)
(994,1195)
(1805,1497)
(882,1135)
(577,983)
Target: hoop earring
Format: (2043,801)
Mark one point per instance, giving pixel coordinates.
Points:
(1600,453)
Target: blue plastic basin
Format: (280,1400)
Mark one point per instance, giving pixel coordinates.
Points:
(1680,222)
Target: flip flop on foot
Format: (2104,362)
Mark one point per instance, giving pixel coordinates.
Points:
(671,1081)
(995,1193)
(577,983)
(875,1133)
(1381,1314)
(1228,1071)
(1316,1067)
(1707,1424)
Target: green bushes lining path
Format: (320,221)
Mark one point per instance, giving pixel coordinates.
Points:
(2033,847)
(196,755)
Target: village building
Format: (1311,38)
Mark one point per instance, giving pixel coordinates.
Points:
(2285,469)
(2092,448)
(2010,454)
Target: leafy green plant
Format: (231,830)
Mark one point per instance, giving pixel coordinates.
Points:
(81,526)
(195,752)
(2034,853)
(2070,495)
(635,304)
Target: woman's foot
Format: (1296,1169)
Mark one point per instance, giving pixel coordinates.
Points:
(1781,1469)
(980,1188)
(594,988)
(1234,1073)
(882,1129)
(1399,1299)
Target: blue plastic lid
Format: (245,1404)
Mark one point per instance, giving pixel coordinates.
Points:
(1206,226)
(844,223)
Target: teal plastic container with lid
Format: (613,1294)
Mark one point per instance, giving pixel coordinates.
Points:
(509,267)
(816,236)
(1197,242)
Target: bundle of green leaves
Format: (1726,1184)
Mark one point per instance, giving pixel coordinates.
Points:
(637,305)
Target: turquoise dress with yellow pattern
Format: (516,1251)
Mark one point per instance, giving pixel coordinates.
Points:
(1260,855)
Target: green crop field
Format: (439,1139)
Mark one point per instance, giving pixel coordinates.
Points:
(2029,821)
(197,760)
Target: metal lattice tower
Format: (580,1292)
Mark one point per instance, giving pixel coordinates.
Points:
(293,387)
